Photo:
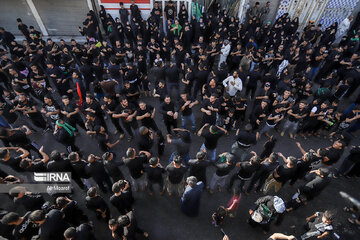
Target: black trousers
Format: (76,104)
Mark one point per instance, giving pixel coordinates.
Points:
(150,185)
(130,125)
(100,182)
(260,178)
(38,121)
(169,124)
(116,123)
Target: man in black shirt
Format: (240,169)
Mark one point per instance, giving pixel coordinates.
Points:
(167,109)
(173,79)
(29,109)
(52,224)
(170,11)
(23,29)
(91,105)
(210,108)
(154,172)
(127,112)
(13,162)
(84,231)
(19,137)
(245,172)
(281,174)
(258,114)
(112,166)
(96,170)
(30,201)
(317,184)
(119,200)
(211,136)
(109,107)
(38,165)
(198,167)
(145,139)
(135,11)
(78,166)
(96,203)
(175,178)
(185,107)
(73,214)
(244,140)
(223,169)
(332,154)
(71,113)
(23,228)
(296,115)
(146,114)
(124,14)
(262,173)
(130,227)
(135,164)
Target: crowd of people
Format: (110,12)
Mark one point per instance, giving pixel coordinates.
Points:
(211,76)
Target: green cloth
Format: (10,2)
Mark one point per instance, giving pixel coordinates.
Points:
(67,127)
(196,10)
(177,31)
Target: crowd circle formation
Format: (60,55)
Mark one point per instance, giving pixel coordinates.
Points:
(211,76)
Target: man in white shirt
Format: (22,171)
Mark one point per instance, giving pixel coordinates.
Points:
(343,28)
(225,50)
(233,84)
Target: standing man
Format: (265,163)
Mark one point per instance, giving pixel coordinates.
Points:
(211,139)
(175,178)
(233,84)
(343,28)
(265,13)
(185,107)
(244,140)
(167,109)
(224,52)
(190,200)
(124,14)
(127,112)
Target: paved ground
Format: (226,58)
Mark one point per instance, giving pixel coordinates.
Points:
(161,216)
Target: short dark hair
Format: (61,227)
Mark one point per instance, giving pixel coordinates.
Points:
(61,201)
(92,192)
(116,187)
(123,220)
(177,159)
(72,156)
(10,218)
(37,215)
(130,152)
(24,163)
(55,155)
(70,232)
(112,222)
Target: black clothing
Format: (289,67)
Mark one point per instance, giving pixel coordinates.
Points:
(136,167)
(54,226)
(175,175)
